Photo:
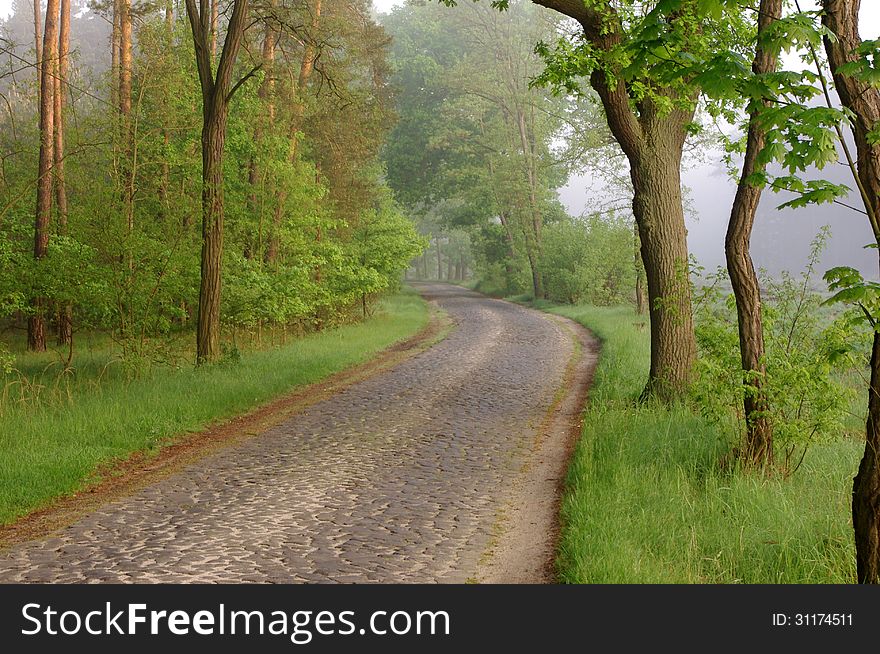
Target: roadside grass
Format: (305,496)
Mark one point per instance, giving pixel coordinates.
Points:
(647,500)
(51,448)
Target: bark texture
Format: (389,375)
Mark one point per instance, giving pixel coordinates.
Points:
(65,312)
(841,17)
(758,450)
(36,321)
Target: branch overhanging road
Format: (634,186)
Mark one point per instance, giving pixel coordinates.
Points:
(445,468)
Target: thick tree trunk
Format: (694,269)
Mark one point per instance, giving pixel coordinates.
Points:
(36,322)
(659,213)
(758,450)
(841,17)
(213,144)
(65,313)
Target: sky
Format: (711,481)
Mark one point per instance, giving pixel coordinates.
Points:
(781,239)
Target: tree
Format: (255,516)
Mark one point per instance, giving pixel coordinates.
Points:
(217,91)
(65,312)
(36,322)
(650,121)
(844,49)
(759,436)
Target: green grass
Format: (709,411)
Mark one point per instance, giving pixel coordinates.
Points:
(648,502)
(49,449)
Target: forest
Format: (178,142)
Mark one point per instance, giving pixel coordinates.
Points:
(204,205)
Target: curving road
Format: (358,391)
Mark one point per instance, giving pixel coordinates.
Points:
(398,478)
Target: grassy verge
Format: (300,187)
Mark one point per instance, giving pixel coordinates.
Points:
(647,502)
(51,449)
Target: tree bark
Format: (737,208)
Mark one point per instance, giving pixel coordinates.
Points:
(36,322)
(659,213)
(65,313)
(841,17)
(652,141)
(217,91)
(758,450)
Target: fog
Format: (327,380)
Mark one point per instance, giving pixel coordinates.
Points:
(781,239)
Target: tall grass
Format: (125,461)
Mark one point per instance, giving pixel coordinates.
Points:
(48,449)
(647,500)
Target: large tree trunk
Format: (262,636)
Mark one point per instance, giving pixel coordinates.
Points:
(841,17)
(213,144)
(659,213)
(36,322)
(65,313)
(758,449)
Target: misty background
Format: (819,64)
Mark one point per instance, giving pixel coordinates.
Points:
(781,238)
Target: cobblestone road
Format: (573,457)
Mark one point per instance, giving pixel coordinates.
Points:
(395,479)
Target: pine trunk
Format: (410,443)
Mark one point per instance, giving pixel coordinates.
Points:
(36,322)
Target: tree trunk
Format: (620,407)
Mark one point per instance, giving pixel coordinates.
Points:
(758,450)
(36,322)
(450,267)
(217,91)
(841,17)
(65,313)
(659,213)
(213,145)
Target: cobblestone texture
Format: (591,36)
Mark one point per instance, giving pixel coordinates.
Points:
(395,479)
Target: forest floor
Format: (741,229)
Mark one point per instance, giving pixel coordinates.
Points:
(447,467)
